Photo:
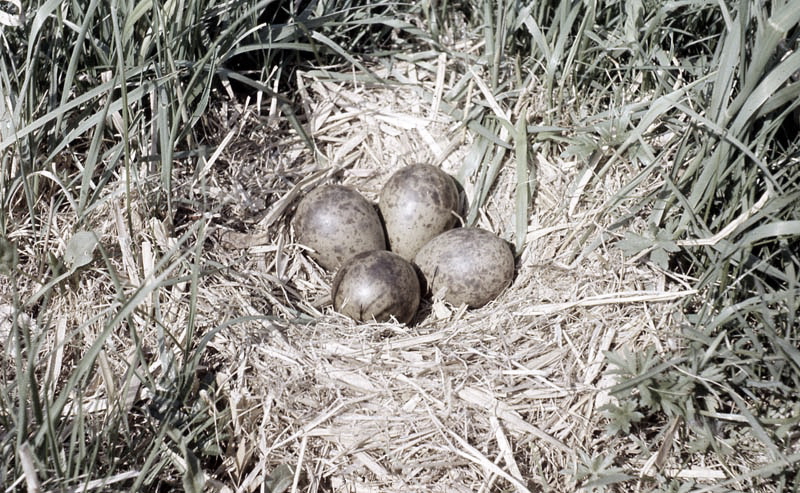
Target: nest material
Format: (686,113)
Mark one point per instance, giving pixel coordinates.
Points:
(500,398)
(491,399)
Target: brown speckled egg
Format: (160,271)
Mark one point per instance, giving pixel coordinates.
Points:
(337,222)
(376,285)
(417,203)
(468,265)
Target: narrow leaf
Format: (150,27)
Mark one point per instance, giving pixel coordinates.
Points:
(523,187)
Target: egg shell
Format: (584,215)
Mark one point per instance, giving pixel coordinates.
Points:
(417,203)
(337,222)
(376,285)
(467,265)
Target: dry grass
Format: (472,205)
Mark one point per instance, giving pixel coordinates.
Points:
(498,398)
(479,400)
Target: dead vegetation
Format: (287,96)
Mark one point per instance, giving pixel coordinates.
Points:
(462,400)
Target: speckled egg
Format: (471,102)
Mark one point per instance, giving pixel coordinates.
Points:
(337,222)
(417,203)
(376,285)
(467,265)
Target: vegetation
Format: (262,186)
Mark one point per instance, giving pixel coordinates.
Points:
(681,121)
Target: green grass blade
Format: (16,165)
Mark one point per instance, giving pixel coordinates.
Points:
(770,85)
(75,58)
(729,52)
(92,158)
(523,181)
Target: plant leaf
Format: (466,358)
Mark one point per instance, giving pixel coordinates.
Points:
(633,243)
(280,480)
(193,477)
(660,257)
(80,249)
(9,256)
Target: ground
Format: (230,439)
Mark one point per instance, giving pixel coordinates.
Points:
(509,395)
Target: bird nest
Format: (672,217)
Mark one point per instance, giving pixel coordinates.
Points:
(497,398)
(503,397)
